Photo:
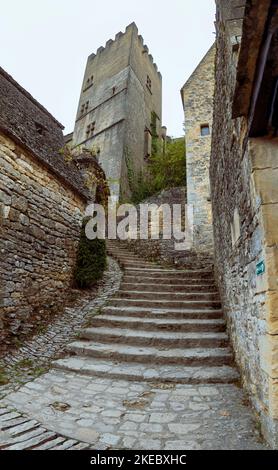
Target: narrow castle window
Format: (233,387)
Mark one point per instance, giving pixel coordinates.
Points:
(90,130)
(205,130)
(84,108)
(147,144)
(89,82)
(149,83)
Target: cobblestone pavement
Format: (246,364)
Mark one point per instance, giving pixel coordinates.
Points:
(34,357)
(18,432)
(131,415)
(73,411)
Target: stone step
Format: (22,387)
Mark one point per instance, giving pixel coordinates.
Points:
(136,259)
(156,338)
(117,253)
(134,265)
(129,258)
(124,302)
(140,372)
(170,273)
(172,295)
(151,355)
(167,280)
(143,312)
(157,324)
(186,288)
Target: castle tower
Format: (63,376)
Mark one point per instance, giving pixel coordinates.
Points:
(121,97)
(197,97)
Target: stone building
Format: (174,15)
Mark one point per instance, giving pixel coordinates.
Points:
(244,175)
(119,110)
(197,99)
(42,202)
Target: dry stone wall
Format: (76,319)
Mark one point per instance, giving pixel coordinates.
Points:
(40,225)
(244,202)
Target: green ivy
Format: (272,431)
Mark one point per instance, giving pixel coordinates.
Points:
(91,260)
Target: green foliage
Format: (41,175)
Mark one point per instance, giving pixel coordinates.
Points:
(91,260)
(166,169)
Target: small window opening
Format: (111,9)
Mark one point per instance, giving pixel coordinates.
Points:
(89,82)
(114,90)
(90,130)
(149,83)
(84,108)
(147,144)
(205,130)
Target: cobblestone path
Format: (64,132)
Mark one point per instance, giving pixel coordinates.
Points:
(36,355)
(153,370)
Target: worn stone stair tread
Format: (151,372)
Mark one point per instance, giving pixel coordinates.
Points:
(163,303)
(155,338)
(148,354)
(161,321)
(150,288)
(134,278)
(163,312)
(157,323)
(162,334)
(159,292)
(160,269)
(166,295)
(140,372)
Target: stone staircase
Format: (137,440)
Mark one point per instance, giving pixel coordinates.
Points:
(163,325)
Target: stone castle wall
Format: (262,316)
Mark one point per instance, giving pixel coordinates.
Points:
(244,202)
(120,104)
(197,97)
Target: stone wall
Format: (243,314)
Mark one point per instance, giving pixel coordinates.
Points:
(197,97)
(42,202)
(164,251)
(244,203)
(40,226)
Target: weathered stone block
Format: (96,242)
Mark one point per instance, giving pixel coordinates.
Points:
(269,354)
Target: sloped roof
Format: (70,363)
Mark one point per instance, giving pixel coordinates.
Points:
(30,125)
(195,72)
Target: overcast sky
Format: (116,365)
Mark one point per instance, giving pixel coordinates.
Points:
(45,44)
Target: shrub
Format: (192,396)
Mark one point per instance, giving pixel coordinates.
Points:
(166,169)
(91,260)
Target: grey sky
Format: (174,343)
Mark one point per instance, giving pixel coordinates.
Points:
(45,44)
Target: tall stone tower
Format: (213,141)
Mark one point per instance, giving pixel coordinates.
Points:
(197,97)
(119,108)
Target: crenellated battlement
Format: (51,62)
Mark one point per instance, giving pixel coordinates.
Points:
(118,38)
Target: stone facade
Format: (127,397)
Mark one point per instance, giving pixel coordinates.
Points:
(165,251)
(42,201)
(197,98)
(121,93)
(245,200)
